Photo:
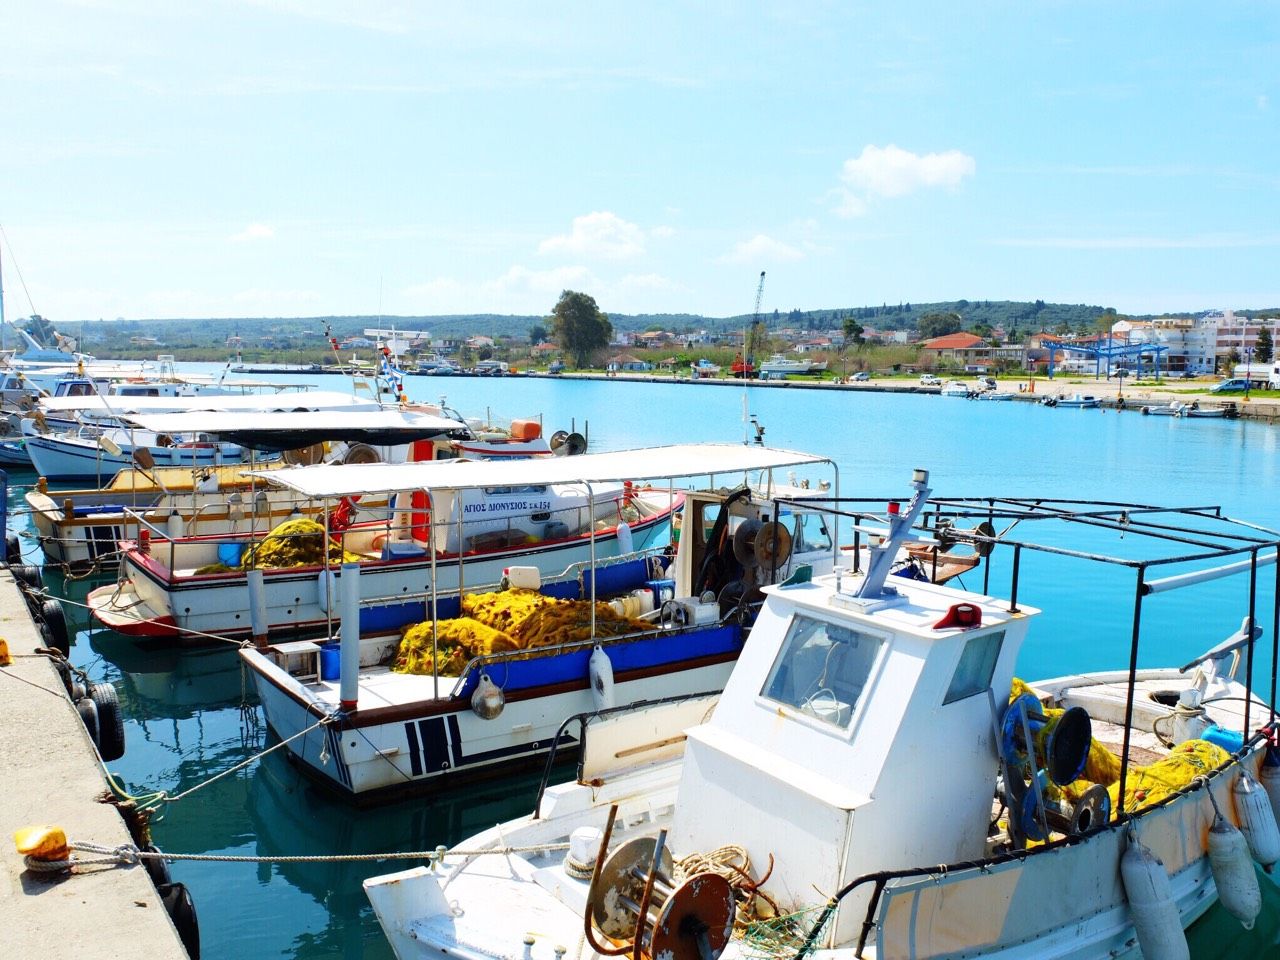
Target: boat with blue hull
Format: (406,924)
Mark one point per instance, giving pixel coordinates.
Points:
(675,626)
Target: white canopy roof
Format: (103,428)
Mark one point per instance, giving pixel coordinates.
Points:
(289,421)
(111,406)
(652,463)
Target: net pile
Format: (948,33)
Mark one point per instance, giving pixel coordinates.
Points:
(295,543)
(508,620)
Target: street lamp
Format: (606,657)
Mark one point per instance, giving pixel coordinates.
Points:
(1248,371)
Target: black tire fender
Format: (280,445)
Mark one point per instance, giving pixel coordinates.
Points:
(55,622)
(182,911)
(110,738)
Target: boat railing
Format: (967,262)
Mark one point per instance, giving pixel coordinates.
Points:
(882,878)
(584,721)
(1217,546)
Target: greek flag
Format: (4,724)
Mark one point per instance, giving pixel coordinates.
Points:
(393,375)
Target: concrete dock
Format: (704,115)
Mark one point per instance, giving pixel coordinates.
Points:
(51,775)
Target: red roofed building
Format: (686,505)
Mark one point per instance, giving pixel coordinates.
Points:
(963,349)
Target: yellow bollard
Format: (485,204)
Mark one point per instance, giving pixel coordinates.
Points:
(42,842)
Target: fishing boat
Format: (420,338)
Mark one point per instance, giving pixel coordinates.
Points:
(875,781)
(1194,410)
(1078,401)
(446,700)
(956,388)
(80,529)
(997,395)
(99,444)
(781,364)
(704,370)
(1171,409)
(193,586)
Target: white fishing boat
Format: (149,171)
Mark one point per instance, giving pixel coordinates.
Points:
(448,700)
(956,388)
(99,444)
(1221,411)
(874,782)
(193,586)
(781,364)
(1171,409)
(1078,401)
(704,369)
(997,395)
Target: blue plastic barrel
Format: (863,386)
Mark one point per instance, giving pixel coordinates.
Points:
(1228,740)
(330,661)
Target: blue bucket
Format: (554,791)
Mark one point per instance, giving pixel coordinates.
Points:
(330,661)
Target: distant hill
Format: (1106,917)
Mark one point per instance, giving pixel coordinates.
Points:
(179,334)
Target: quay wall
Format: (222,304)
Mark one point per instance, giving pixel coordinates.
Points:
(51,775)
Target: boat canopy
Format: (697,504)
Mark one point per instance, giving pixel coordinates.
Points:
(114,406)
(288,430)
(651,463)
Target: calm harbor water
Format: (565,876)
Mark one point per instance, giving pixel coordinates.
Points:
(193,715)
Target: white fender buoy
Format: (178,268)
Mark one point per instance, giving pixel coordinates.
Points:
(600,673)
(173,525)
(625,542)
(1257,821)
(1155,914)
(1233,872)
(1269,777)
(325,589)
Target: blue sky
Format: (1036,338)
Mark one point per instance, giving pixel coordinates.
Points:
(303,157)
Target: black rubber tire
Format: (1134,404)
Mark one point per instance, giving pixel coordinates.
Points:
(55,621)
(110,738)
(182,911)
(12,550)
(88,711)
(157,869)
(28,576)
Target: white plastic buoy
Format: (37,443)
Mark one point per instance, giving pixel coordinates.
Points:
(173,525)
(1257,821)
(326,589)
(1155,914)
(625,542)
(1233,872)
(1269,777)
(600,673)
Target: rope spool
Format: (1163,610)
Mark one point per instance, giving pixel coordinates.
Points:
(635,899)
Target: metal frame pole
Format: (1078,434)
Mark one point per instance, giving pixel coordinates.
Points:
(1133,679)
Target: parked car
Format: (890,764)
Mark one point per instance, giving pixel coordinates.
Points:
(929,380)
(1234,385)
(861,377)
(556,367)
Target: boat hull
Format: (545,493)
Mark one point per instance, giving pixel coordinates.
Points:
(382,750)
(153,599)
(58,458)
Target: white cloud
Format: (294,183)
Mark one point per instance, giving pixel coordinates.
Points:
(641,282)
(598,234)
(893,172)
(761,248)
(662,232)
(254,231)
(521,280)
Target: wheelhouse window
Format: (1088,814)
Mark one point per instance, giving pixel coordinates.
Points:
(527,488)
(976,666)
(822,669)
(810,533)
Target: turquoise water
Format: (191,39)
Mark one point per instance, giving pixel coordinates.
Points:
(191,715)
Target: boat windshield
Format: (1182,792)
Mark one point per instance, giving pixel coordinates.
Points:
(821,669)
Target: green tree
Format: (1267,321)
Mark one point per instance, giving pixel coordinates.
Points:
(1233,357)
(41,331)
(1263,347)
(537,334)
(853,332)
(938,325)
(580,328)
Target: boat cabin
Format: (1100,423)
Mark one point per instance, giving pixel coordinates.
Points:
(846,719)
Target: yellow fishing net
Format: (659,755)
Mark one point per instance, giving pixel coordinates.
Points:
(1151,784)
(294,543)
(508,620)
